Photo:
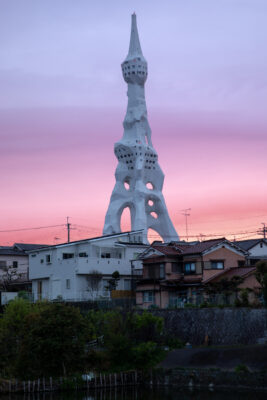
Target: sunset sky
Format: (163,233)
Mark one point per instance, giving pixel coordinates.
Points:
(63,100)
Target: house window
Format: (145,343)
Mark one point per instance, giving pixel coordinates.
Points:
(162,271)
(105,255)
(66,256)
(217,264)
(190,268)
(241,263)
(48,259)
(67,283)
(148,296)
(15,264)
(83,254)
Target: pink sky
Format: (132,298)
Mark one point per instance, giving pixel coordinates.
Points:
(63,99)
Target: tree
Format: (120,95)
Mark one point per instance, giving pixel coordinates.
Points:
(93,281)
(225,287)
(9,276)
(42,339)
(12,332)
(261,276)
(53,343)
(113,282)
(128,338)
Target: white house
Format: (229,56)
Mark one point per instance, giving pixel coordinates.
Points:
(14,264)
(64,270)
(257,249)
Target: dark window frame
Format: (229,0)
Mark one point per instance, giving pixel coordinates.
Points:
(213,262)
(67,256)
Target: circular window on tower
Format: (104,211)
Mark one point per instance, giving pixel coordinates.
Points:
(149,186)
(154,215)
(127,184)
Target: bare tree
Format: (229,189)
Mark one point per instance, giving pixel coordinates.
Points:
(93,282)
(9,277)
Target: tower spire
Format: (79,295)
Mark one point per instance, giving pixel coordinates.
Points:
(139,178)
(134,47)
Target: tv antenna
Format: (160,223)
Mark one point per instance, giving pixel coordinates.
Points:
(186,214)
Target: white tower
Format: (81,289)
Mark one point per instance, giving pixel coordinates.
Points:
(139,178)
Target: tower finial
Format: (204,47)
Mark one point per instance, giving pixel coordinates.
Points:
(134,48)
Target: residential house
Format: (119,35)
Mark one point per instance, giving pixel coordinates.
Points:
(256,248)
(176,272)
(14,266)
(81,270)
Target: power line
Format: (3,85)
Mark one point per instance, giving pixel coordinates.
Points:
(31,229)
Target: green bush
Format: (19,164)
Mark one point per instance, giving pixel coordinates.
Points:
(173,342)
(146,355)
(241,368)
(52,339)
(190,305)
(42,339)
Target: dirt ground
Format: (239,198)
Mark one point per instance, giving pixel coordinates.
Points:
(226,357)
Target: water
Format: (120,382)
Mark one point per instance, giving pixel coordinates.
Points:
(145,394)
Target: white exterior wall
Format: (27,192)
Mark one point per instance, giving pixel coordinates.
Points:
(23,264)
(258,251)
(55,273)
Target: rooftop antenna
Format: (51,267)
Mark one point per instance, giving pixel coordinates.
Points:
(186,214)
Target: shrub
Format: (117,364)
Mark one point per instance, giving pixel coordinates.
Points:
(241,368)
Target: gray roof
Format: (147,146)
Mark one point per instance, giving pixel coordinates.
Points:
(248,244)
(88,240)
(28,246)
(10,251)
(19,249)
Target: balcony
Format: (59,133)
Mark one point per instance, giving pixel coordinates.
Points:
(105,265)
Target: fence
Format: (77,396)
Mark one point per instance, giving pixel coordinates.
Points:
(201,299)
(87,382)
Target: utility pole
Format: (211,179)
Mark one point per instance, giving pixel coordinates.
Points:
(68,229)
(264,230)
(186,214)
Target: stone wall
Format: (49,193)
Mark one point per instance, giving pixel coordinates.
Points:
(225,326)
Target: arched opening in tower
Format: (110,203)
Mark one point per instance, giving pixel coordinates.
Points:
(125,222)
(153,235)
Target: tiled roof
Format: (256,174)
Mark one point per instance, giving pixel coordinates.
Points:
(167,250)
(10,251)
(29,246)
(201,246)
(229,273)
(247,244)
(209,274)
(177,248)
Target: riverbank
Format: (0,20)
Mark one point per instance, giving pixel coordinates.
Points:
(253,358)
(209,378)
(192,378)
